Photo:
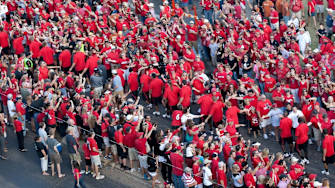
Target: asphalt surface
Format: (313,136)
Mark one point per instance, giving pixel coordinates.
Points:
(23,170)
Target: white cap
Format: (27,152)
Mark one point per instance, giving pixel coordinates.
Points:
(256,144)
(317,184)
(294,159)
(128,118)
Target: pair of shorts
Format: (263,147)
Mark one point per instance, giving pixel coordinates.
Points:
(152,174)
(114,149)
(75,157)
(317,133)
(255,128)
(330,160)
(95,159)
(303,146)
(106,142)
(312,14)
(288,140)
(155,100)
(88,162)
(132,153)
(121,153)
(319,8)
(55,158)
(265,122)
(143,161)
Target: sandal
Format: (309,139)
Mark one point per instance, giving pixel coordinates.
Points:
(62,175)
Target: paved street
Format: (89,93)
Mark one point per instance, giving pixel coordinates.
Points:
(23,170)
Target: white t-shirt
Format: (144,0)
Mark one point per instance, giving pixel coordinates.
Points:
(11,108)
(206,174)
(186,117)
(189,152)
(294,116)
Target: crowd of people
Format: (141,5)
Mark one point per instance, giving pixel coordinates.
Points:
(89,72)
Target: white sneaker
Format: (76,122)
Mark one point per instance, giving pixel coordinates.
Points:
(307,161)
(265,136)
(272,133)
(132,170)
(158,113)
(149,106)
(310,142)
(325,172)
(164,115)
(82,171)
(154,113)
(168,116)
(286,155)
(93,175)
(100,177)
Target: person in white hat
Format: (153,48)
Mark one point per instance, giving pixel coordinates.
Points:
(117,84)
(207,173)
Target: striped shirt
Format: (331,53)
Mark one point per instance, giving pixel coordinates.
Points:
(188,180)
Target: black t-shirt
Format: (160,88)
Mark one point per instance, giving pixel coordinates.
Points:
(39,146)
(151,164)
(231,64)
(246,64)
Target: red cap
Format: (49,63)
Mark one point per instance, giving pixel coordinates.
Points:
(312,176)
(179,148)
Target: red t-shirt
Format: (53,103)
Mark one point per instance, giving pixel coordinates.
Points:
(196,169)
(18,125)
(156,86)
(176,118)
(222,177)
(51,117)
(104,127)
(129,139)
(232,113)
(205,103)
(177,161)
(91,143)
(216,111)
(20,109)
(140,145)
(171,95)
(186,93)
(263,107)
(47,54)
(133,81)
(328,144)
(301,133)
(118,135)
(145,82)
(4,39)
(65,58)
(285,127)
(269,84)
(92,63)
(79,60)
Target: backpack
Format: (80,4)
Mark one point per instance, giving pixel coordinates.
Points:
(111,133)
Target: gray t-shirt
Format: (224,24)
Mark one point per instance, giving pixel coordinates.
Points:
(117,84)
(275,116)
(51,143)
(96,81)
(43,134)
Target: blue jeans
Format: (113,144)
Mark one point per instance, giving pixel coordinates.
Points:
(37,126)
(177,181)
(261,86)
(81,183)
(209,15)
(286,19)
